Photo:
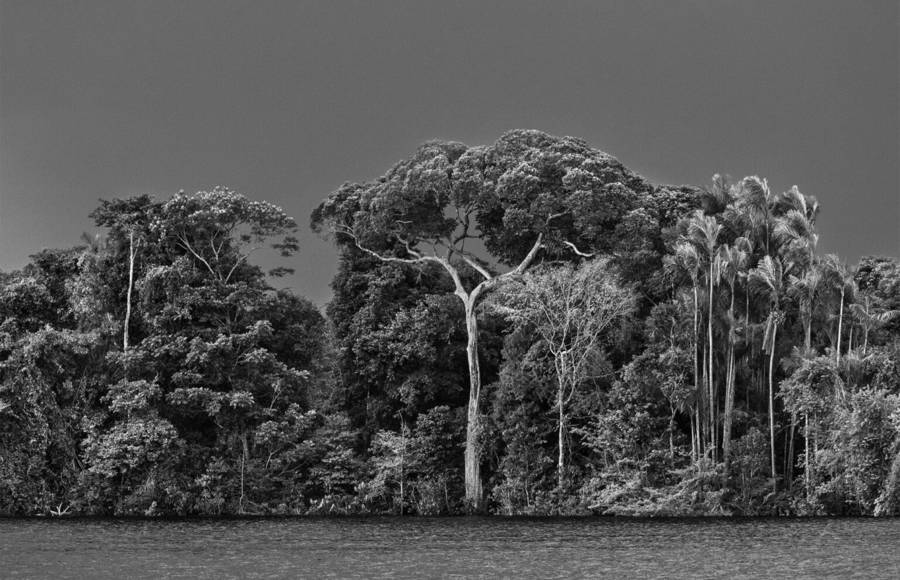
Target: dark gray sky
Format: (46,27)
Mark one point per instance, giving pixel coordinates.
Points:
(286,100)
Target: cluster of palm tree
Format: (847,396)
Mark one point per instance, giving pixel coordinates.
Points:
(751,262)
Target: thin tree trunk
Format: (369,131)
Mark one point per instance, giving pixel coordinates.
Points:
(712,394)
(866,329)
(729,393)
(671,435)
(561,461)
(837,350)
(806,451)
(772,408)
(131,256)
(697,381)
(244,453)
(706,435)
(402,464)
(789,463)
(695,434)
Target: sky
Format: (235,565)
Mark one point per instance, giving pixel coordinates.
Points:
(284,101)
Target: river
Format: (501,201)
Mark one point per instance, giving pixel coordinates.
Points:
(453,548)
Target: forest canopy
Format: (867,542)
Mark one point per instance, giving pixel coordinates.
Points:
(521,328)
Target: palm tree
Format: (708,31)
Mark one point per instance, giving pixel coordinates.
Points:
(703,232)
(733,262)
(795,232)
(755,204)
(687,258)
(807,290)
(870,318)
(767,279)
(844,288)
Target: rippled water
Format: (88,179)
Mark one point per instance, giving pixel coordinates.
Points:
(450,548)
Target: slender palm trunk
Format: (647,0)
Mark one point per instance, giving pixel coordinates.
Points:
(696,358)
(837,350)
(244,454)
(772,407)
(729,393)
(865,328)
(712,395)
(789,461)
(695,436)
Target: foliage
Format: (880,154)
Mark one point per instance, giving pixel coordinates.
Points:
(529,316)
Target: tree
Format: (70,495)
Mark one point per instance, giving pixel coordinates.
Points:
(688,258)
(871,319)
(733,263)
(843,287)
(703,231)
(572,310)
(207,366)
(525,193)
(128,219)
(767,279)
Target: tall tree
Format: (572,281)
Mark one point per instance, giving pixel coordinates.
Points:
(733,263)
(688,258)
(703,231)
(767,278)
(527,192)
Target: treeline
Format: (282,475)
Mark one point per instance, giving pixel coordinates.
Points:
(526,327)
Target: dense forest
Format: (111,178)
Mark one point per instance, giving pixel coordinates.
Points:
(522,328)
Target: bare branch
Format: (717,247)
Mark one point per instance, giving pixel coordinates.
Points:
(184,242)
(529,258)
(464,255)
(577,251)
(238,262)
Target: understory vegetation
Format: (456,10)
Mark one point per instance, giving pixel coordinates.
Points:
(522,328)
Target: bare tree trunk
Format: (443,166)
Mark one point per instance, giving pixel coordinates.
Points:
(789,462)
(244,453)
(695,437)
(474,491)
(772,408)
(402,464)
(473,485)
(837,350)
(671,435)
(712,394)
(561,461)
(706,423)
(131,256)
(697,381)
(806,451)
(729,394)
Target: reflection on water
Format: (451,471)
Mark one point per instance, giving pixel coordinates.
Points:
(450,548)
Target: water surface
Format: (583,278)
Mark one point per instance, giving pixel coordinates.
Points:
(450,548)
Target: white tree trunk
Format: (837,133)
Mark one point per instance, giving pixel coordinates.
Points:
(131,256)
(474,492)
(772,407)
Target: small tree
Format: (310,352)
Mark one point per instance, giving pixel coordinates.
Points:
(571,309)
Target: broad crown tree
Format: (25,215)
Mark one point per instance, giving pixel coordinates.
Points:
(456,206)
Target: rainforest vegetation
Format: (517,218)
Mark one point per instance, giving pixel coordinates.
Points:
(526,327)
